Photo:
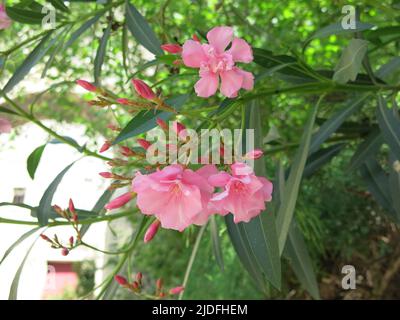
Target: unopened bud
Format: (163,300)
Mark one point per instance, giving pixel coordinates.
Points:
(119,201)
(105,146)
(127,152)
(144,143)
(139,277)
(143,89)
(86,85)
(176,290)
(113,127)
(159,284)
(162,124)
(135,286)
(151,231)
(71,206)
(107,175)
(71,241)
(254,154)
(195,38)
(121,280)
(172,48)
(59,211)
(64,252)
(44,237)
(123,101)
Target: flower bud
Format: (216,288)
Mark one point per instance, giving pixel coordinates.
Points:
(195,38)
(127,152)
(139,277)
(71,206)
(113,127)
(59,211)
(172,48)
(107,175)
(64,252)
(178,127)
(159,284)
(176,290)
(143,89)
(162,124)
(151,231)
(121,280)
(105,146)
(44,237)
(119,201)
(144,143)
(135,286)
(71,241)
(254,154)
(123,101)
(86,85)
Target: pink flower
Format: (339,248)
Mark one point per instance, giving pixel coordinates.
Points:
(143,89)
(244,193)
(151,231)
(178,197)
(86,85)
(119,201)
(172,48)
(5,21)
(215,63)
(176,290)
(5,126)
(254,154)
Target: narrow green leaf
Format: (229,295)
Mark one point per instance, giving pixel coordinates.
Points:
(45,210)
(78,32)
(5,110)
(370,146)
(300,261)
(286,210)
(140,29)
(13,295)
(350,62)
(24,16)
(59,4)
(386,71)
(333,123)
(216,243)
(146,120)
(390,126)
(33,160)
(19,241)
(33,58)
(100,55)
(321,157)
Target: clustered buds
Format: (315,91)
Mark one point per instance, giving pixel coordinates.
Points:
(136,287)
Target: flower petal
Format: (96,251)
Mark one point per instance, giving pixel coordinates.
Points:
(248,79)
(207,85)
(220,37)
(231,82)
(241,51)
(220,179)
(193,54)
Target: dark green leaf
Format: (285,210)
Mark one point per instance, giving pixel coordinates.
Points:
(5,110)
(332,124)
(370,146)
(319,158)
(216,243)
(140,29)
(394,185)
(33,58)
(45,210)
(100,55)
(350,62)
(78,32)
(390,70)
(24,16)
(33,160)
(59,4)
(146,120)
(288,202)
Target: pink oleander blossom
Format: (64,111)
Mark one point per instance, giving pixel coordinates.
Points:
(5,21)
(244,194)
(216,63)
(178,197)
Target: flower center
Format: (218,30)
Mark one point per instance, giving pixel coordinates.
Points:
(217,62)
(238,186)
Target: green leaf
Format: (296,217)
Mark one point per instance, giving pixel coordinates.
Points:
(300,261)
(146,120)
(390,70)
(33,160)
(14,285)
(98,208)
(350,62)
(332,124)
(256,242)
(33,58)
(319,158)
(5,110)
(289,198)
(101,52)
(394,185)
(59,4)
(24,16)
(336,28)
(45,210)
(216,243)
(140,29)
(16,243)
(390,126)
(78,32)
(370,146)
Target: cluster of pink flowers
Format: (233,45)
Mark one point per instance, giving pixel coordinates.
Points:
(5,21)
(179,197)
(215,63)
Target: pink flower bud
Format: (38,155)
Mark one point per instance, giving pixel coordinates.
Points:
(119,201)
(123,101)
(44,237)
(113,127)
(151,231)
(178,127)
(71,206)
(64,252)
(57,209)
(127,152)
(71,241)
(159,284)
(135,285)
(143,89)
(172,48)
(121,280)
(195,38)
(105,146)
(254,154)
(5,126)
(107,175)
(162,124)
(176,290)
(86,85)
(139,277)
(144,143)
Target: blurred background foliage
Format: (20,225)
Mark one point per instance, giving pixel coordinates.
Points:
(341,222)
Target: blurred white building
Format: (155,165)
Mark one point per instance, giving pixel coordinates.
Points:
(46,271)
